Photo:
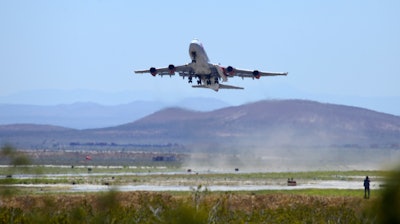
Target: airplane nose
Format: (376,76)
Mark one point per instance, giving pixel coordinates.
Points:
(195,41)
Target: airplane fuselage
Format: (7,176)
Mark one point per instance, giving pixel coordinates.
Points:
(200,62)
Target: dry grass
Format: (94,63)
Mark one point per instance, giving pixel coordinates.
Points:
(198,206)
(240,201)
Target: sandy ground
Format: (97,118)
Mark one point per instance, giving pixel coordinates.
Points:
(181,181)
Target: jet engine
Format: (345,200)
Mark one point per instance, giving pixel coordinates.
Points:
(153,71)
(256,74)
(230,70)
(171,68)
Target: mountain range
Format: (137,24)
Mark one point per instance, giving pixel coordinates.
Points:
(267,123)
(84,115)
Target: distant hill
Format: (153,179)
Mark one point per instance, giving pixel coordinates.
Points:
(269,123)
(273,122)
(84,115)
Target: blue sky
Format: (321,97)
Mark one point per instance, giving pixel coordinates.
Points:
(344,52)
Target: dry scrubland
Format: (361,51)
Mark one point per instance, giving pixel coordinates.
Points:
(198,206)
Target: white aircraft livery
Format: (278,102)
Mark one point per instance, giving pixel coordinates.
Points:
(208,75)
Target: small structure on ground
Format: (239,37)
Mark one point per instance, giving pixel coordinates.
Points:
(291,182)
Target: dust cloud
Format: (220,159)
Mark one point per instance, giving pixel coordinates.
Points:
(293,160)
(283,149)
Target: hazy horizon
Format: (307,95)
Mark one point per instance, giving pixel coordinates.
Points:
(53,97)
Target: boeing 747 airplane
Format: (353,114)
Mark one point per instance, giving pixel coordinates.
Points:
(208,75)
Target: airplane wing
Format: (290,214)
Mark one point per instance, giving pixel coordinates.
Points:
(183,70)
(252,73)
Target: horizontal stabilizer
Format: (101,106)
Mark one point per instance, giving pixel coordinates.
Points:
(221,86)
(199,86)
(218,86)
